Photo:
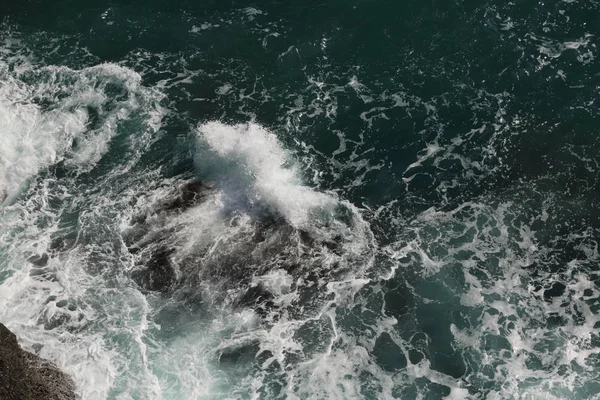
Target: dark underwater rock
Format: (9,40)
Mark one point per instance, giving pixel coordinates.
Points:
(269,243)
(159,273)
(25,376)
(190,194)
(257,298)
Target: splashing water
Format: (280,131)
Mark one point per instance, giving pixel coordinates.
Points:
(212,201)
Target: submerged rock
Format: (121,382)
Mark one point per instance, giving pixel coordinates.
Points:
(159,273)
(190,194)
(229,256)
(25,376)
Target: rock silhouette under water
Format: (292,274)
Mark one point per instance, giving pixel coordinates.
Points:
(25,376)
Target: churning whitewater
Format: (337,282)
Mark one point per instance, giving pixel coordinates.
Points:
(343,200)
(250,258)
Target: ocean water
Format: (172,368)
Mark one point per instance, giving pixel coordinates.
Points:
(362,199)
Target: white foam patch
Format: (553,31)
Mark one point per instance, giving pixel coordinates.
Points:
(278,282)
(267,174)
(40,126)
(30,139)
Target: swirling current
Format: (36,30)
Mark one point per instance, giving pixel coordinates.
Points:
(303,199)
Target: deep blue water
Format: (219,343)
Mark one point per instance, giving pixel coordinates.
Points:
(303,200)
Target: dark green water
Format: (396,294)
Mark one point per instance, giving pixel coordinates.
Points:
(399,200)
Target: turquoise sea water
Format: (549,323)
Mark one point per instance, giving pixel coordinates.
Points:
(303,199)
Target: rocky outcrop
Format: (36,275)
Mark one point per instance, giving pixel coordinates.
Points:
(25,376)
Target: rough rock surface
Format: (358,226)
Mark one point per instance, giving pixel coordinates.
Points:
(25,376)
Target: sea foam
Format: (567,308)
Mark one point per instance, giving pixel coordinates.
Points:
(52,114)
(61,121)
(266,174)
